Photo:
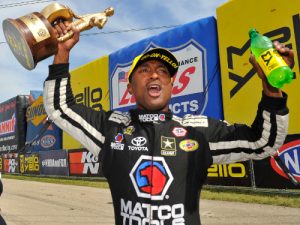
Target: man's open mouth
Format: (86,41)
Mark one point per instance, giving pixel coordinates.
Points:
(154,90)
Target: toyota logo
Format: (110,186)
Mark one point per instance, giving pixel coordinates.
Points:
(139,141)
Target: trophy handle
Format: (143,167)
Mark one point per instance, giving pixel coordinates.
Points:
(56,11)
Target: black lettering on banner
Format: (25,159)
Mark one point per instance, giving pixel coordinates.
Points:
(87,96)
(296,23)
(90,98)
(282,34)
(96,97)
(79,98)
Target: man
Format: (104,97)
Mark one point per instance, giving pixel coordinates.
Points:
(154,161)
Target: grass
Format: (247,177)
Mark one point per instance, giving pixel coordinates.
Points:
(248,195)
(89,182)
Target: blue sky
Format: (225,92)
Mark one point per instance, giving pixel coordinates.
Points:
(129,15)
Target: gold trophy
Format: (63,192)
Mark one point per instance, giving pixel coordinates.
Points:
(31,38)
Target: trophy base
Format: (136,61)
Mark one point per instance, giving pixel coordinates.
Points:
(31,38)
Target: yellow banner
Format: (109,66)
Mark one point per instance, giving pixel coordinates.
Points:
(90,88)
(241,87)
(36,112)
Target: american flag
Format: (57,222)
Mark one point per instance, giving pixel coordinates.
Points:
(123,76)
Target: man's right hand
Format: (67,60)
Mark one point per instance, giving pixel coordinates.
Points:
(64,48)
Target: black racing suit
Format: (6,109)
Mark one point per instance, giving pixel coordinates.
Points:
(155,162)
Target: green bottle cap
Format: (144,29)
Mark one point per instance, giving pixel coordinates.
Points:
(252,32)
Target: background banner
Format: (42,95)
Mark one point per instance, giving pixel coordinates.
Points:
(234,174)
(13,123)
(84,163)
(36,118)
(90,87)
(242,88)
(279,20)
(268,173)
(197,87)
(29,163)
(54,162)
(10,163)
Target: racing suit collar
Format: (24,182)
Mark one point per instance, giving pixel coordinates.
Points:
(144,116)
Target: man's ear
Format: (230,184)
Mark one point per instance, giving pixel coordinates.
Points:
(129,87)
(172,80)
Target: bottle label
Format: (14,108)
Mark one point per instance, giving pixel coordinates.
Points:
(270,60)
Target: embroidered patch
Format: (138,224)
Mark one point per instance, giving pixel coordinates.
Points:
(179,131)
(188,145)
(168,146)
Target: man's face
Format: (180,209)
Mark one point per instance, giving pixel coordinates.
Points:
(151,85)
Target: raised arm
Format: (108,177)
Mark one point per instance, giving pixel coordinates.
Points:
(82,123)
(239,142)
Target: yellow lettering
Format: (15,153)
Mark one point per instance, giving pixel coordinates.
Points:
(236,170)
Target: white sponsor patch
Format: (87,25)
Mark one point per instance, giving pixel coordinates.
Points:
(179,131)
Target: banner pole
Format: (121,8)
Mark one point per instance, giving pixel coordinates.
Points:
(253,184)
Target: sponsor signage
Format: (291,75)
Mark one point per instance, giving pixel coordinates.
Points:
(12,123)
(151,177)
(29,163)
(90,87)
(117,144)
(83,163)
(196,88)
(36,118)
(168,146)
(156,117)
(279,20)
(179,131)
(233,174)
(188,145)
(138,143)
(289,154)
(10,162)
(140,213)
(54,162)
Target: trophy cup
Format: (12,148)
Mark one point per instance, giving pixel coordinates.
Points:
(31,38)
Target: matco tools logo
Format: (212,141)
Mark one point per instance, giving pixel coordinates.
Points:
(118,145)
(151,177)
(152,117)
(189,85)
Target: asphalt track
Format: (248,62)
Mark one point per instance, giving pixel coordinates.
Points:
(36,203)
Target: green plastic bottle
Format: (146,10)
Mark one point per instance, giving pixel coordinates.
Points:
(277,71)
